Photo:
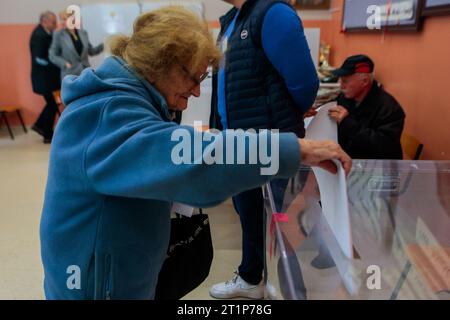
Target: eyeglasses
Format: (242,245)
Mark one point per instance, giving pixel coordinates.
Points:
(196,80)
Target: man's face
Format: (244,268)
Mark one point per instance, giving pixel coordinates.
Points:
(50,22)
(352,86)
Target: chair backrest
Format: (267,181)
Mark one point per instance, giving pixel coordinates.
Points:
(412,147)
(9,108)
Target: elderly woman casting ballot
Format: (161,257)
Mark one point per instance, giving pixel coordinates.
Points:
(112,177)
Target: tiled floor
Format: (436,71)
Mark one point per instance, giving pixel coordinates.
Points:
(23,167)
(23,172)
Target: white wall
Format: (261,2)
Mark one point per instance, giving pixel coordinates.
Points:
(27,11)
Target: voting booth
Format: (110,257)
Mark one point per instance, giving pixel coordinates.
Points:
(382,232)
(397,227)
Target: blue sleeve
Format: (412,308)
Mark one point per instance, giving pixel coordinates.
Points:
(133,153)
(285,45)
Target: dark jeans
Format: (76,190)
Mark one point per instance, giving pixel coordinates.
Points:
(250,207)
(46,119)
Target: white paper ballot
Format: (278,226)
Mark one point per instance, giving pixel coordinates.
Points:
(333,188)
(183,209)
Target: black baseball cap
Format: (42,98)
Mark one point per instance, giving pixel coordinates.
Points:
(355,64)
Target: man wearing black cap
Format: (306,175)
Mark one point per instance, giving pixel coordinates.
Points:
(370,121)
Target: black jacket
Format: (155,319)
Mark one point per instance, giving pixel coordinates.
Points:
(45,76)
(373,129)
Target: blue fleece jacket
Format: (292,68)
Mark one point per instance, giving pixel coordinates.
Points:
(106,218)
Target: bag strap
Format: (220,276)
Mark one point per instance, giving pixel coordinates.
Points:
(180,216)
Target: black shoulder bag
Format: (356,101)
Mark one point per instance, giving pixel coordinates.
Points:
(189,257)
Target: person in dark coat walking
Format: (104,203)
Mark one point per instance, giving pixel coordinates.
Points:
(45,76)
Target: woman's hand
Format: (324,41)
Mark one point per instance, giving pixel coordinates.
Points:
(68,65)
(321,153)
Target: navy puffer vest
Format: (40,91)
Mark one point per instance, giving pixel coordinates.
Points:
(256,94)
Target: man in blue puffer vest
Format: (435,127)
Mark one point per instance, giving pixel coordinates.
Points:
(267,80)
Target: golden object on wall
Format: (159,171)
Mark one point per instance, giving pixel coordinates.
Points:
(324,58)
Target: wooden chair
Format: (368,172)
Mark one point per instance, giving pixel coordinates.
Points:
(412,147)
(59,103)
(8,109)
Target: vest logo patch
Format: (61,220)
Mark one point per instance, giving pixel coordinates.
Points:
(244,34)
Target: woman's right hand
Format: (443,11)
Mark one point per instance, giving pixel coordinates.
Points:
(321,153)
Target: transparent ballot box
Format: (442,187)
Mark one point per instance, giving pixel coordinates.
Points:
(397,226)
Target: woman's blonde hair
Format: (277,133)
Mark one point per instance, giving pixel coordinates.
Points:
(164,38)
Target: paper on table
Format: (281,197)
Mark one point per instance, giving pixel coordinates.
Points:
(321,127)
(333,187)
